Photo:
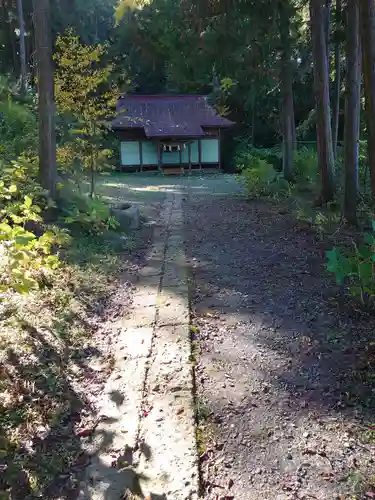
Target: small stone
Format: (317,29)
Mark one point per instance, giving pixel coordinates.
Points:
(306,434)
(289,456)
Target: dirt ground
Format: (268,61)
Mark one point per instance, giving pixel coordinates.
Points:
(285,364)
(285,368)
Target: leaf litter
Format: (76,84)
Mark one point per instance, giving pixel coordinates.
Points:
(285,365)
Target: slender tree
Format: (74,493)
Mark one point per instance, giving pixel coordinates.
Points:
(337,80)
(286,83)
(367,29)
(322,104)
(46,106)
(22,46)
(327,25)
(352,111)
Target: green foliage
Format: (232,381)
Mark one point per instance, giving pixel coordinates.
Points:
(321,221)
(245,151)
(355,268)
(363,170)
(305,166)
(90,215)
(124,5)
(83,92)
(257,176)
(18,130)
(26,259)
(22,172)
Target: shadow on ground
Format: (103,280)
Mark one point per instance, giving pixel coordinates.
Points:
(287,365)
(55,358)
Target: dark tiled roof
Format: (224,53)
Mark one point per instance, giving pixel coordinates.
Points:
(167,115)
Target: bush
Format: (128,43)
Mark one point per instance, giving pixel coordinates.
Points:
(272,156)
(18,130)
(305,166)
(90,215)
(257,176)
(355,268)
(26,259)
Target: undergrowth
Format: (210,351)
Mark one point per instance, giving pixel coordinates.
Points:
(352,266)
(45,340)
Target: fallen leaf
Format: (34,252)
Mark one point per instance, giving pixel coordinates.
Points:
(84,432)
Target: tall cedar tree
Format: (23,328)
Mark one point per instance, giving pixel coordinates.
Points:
(286,81)
(46,106)
(352,111)
(22,46)
(337,80)
(322,104)
(367,29)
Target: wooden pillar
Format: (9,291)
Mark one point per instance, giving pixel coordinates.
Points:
(200,153)
(159,155)
(140,155)
(180,155)
(189,155)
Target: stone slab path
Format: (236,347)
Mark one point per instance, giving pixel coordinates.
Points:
(144,445)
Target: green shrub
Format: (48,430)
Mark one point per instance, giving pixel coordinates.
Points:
(257,176)
(272,156)
(321,221)
(364,171)
(26,259)
(90,215)
(355,268)
(305,166)
(18,130)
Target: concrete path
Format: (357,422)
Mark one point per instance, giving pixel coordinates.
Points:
(144,445)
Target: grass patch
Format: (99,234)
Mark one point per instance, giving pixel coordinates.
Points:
(202,441)
(195,349)
(205,429)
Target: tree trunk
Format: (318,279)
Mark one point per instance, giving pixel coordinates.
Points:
(293,124)
(22,47)
(92,176)
(46,105)
(352,112)
(328,8)
(367,29)
(337,82)
(322,105)
(286,77)
(11,28)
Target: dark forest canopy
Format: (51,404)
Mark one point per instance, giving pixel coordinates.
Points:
(277,68)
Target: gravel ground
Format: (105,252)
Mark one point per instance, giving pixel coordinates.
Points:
(285,386)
